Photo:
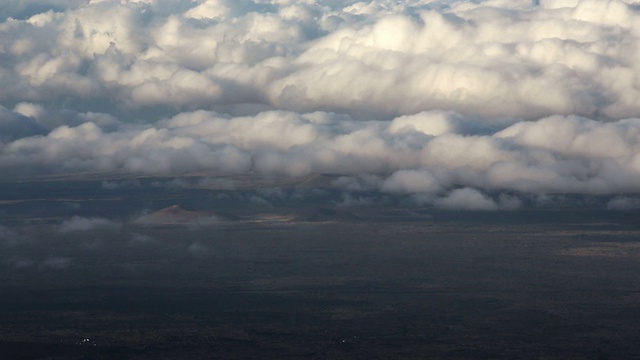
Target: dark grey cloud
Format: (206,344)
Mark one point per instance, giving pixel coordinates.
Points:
(15,126)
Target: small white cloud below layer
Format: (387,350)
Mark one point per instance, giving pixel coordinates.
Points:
(369,59)
(625,203)
(466,199)
(443,100)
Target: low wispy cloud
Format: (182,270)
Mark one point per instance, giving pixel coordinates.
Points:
(625,203)
(466,199)
(47,264)
(55,263)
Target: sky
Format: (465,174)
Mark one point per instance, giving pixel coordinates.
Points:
(459,104)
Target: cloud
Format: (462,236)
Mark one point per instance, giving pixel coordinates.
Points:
(124,184)
(198,250)
(137,239)
(411,181)
(6,234)
(358,183)
(81,224)
(440,100)
(10,236)
(216,183)
(466,199)
(18,262)
(14,126)
(325,55)
(49,263)
(55,263)
(624,203)
(557,154)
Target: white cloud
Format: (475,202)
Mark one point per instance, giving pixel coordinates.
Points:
(416,97)
(466,199)
(411,181)
(81,224)
(381,57)
(552,155)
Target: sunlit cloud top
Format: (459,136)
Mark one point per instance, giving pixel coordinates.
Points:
(425,96)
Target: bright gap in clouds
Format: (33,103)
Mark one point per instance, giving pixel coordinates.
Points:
(447,101)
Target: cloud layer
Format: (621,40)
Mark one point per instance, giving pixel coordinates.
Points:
(431,98)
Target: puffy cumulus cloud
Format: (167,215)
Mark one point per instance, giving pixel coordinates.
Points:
(406,155)
(443,100)
(412,181)
(222,9)
(491,58)
(466,199)
(375,58)
(81,224)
